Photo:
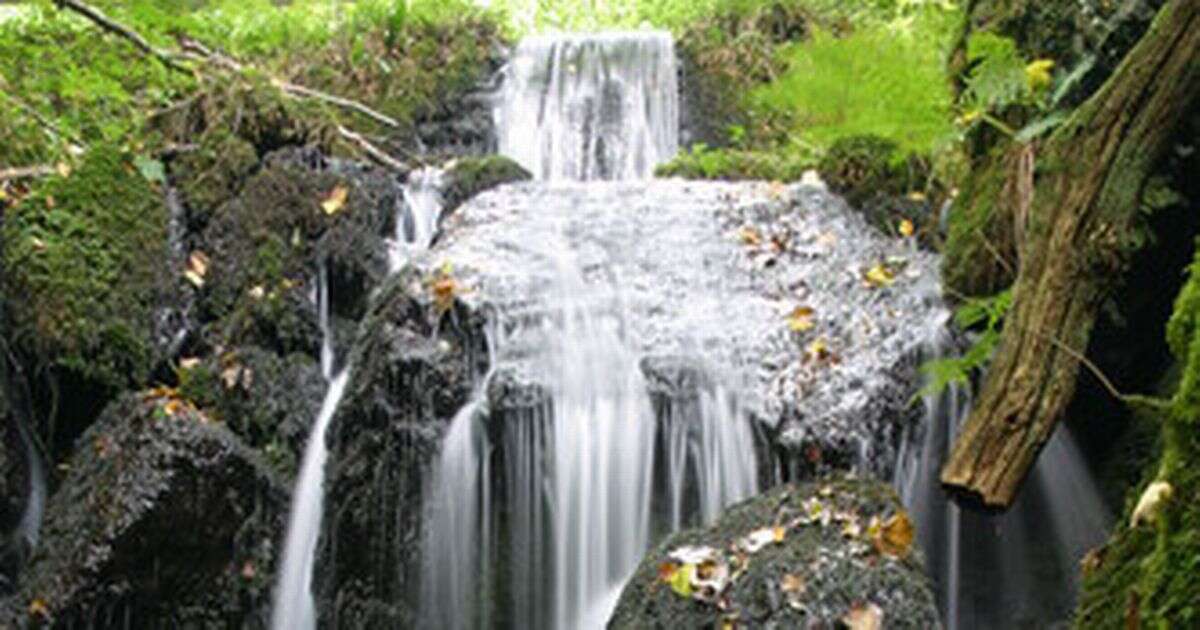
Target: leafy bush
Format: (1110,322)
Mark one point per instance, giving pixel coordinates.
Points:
(733,164)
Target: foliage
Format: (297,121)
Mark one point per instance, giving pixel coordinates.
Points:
(986,315)
(85,253)
(1146,575)
(703,162)
(885,81)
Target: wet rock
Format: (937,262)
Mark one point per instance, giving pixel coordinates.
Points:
(709,275)
(413,367)
(113,549)
(822,566)
(470,176)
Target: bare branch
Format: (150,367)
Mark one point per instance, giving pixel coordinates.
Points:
(103,21)
(26,172)
(373,151)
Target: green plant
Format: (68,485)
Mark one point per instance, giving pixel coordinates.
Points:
(986,315)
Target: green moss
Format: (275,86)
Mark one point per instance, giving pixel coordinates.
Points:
(471,176)
(86,252)
(214,172)
(1148,576)
(979,256)
(733,165)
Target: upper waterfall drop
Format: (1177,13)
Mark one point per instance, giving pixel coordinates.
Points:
(590,106)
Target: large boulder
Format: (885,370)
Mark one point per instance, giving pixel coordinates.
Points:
(413,365)
(799,556)
(165,519)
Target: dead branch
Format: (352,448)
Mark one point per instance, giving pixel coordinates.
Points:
(103,21)
(373,151)
(26,172)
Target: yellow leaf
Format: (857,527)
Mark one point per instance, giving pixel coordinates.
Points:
(779,532)
(879,276)
(444,290)
(1037,74)
(864,617)
(336,200)
(907,228)
(189,363)
(969,117)
(895,537)
(792,583)
(38,244)
(197,268)
(3,195)
(64,169)
(38,608)
(777,189)
(172,407)
(750,236)
(681,581)
(801,319)
(818,349)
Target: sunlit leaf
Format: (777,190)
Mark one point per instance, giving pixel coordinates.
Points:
(750,236)
(879,276)
(864,617)
(681,581)
(906,228)
(38,608)
(801,319)
(335,201)
(1037,74)
(895,536)
(197,268)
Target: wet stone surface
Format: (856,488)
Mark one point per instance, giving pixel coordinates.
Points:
(810,317)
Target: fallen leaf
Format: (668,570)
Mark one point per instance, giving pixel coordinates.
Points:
(817,350)
(230,376)
(801,319)
(776,189)
(38,244)
(189,363)
(64,169)
(172,407)
(248,571)
(197,268)
(750,236)
(335,201)
(906,228)
(444,290)
(895,537)
(681,581)
(50,202)
(38,608)
(693,555)
(666,571)
(780,533)
(756,540)
(864,617)
(1037,73)
(1150,504)
(258,292)
(792,583)
(879,276)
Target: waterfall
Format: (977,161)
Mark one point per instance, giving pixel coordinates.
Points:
(578,469)
(294,607)
(1000,570)
(585,107)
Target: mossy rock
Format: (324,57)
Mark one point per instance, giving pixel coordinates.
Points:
(212,174)
(87,254)
(812,578)
(470,176)
(736,165)
(164,519)
(268,244)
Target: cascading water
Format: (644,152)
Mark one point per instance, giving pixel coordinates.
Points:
(1016,569)
(585,107)
(294,607)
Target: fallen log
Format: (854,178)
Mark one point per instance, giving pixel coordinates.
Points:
(1081,224)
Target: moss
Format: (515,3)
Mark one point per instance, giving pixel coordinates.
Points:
(213,173)
(86,253)
(471,176)
(1148,576)
(836,572)
(979,257)
(735,165)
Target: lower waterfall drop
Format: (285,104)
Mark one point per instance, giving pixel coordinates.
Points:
(583,476)
(999,571)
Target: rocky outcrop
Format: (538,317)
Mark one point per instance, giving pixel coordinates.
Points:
(468,177)
(799,556)
(413,366)
(164,519)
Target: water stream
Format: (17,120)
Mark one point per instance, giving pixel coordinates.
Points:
(997,571)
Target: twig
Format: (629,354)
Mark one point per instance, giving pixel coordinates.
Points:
(1129,399)
(103,21)
(26,172)
(301,91)
(373,151)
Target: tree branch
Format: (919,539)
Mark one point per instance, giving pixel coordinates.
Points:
(26,172)
(103,21)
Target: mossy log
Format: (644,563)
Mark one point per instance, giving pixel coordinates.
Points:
(1081,228)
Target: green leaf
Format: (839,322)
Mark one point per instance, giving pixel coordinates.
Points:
(152,169)
(681,581)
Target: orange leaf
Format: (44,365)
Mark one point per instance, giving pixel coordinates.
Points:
(895,536)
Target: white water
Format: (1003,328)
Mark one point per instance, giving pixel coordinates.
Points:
(1003,570)
(585,107)
(294,607)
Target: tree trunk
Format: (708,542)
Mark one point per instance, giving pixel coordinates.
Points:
(1080,231)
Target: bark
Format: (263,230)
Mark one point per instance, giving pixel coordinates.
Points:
(1086,203)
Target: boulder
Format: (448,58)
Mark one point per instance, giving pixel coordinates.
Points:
(165,519)
(799,556)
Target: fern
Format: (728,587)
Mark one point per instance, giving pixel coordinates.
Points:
(986,313)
